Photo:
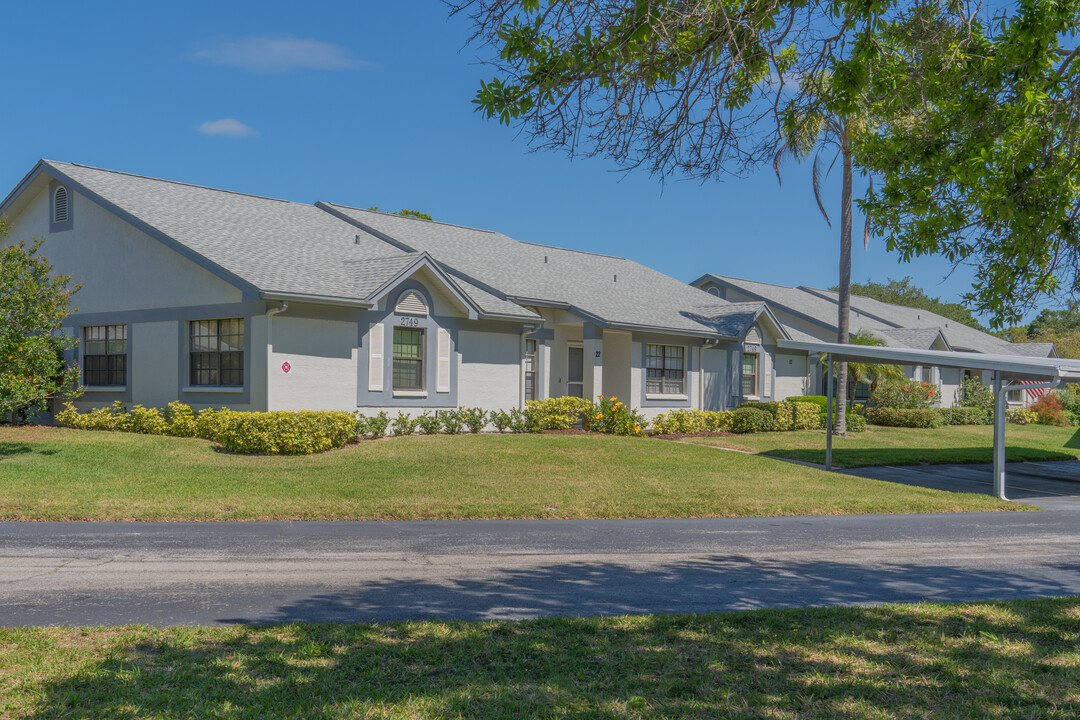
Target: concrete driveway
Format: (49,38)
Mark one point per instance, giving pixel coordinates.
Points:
(207,573)
(1049,485)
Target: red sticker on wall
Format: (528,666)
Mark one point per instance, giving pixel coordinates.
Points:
(286,367)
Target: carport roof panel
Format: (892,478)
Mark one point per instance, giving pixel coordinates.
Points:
(1047,367)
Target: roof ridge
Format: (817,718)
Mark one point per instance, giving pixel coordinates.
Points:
(757,282)
(556,247)
(406,217)
(174,182)
(403,255)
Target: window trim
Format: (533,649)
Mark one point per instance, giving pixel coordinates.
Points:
(192,385)
(526,372)
(402,391)
(109,387)
(667,391)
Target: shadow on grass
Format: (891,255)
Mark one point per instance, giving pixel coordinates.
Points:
(854,662)
(10,449)
(869,457)
(1074,441)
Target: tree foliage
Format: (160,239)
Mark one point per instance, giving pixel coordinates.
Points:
(978,144)
(33,303)
(905,292)
(405,213)
(690,88)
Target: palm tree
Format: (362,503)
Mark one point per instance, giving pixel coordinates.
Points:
(814,129)
(871,372)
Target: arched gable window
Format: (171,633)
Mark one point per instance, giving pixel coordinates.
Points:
(411,302)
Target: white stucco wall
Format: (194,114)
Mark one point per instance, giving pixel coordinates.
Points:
(119,267)
(489,375)
(322,358)
(617,360)
(791,374)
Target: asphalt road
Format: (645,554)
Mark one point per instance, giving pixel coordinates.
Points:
(211,573)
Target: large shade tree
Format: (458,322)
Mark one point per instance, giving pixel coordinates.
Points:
(978,146)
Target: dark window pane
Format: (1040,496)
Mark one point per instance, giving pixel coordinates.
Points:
(576,372)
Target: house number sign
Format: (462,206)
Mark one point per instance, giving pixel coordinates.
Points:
(409,321)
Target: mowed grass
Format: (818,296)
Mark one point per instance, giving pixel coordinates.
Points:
(1017,659)
(910,446)
(58,474)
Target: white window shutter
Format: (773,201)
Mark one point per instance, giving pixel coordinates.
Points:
(375,357)
(442,384)
(766,374)
(736,373)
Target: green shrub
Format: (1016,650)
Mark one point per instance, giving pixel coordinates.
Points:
(291,432)
(501,420)
(905,394)
(429,424)
(452,421)
(180,420)
(373,426)
(718,420)
(142,420)
(525,421)
(906,417)
(97,419)
(475,419)
(968,415)
(856,423)
(820,401)
(783,414)
(807,416)
(750,419)
(1021,416)
(680,421)
(207,422)
(559,413)
(404,424)
(974,394)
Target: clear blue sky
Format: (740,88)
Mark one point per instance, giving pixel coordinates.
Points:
(368,103)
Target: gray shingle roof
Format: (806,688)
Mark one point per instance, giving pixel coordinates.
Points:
(275,245)
(281,247)
(612,289)
(1035,349)
(918,338)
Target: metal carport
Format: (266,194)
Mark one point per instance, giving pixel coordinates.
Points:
(1006,369)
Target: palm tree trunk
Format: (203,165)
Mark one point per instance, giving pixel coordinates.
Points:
(844,305)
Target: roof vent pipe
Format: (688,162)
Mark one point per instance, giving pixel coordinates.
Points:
(357,240)
(615,278)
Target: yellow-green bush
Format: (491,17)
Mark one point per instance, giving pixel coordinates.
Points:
(1021,416)
(691,421)
(805,416)
(293,432)
(559,413)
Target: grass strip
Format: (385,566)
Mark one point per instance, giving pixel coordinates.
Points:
(59,474)
(1016,659)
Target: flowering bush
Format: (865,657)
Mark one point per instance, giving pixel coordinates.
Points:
(906,394)
(612,417)
(1050,411)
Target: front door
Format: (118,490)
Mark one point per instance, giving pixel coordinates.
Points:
(575,371)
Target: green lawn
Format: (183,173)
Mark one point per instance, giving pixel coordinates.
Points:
(58,474)
(910,446)
(1016,659)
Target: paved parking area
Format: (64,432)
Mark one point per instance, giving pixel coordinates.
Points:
(1053,485)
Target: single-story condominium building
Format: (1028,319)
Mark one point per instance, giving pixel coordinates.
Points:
(811,314)
(218,298)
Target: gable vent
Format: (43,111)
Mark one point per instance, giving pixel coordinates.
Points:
(753,335)
(60,205)
(411,303)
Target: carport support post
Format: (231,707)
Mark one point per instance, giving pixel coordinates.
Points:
(828,412)
(999,437)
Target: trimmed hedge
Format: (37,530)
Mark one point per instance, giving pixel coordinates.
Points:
(968,415)
(751,419)
(558,413)
(691,421)
(281,432)
(906,417)
(856,423)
